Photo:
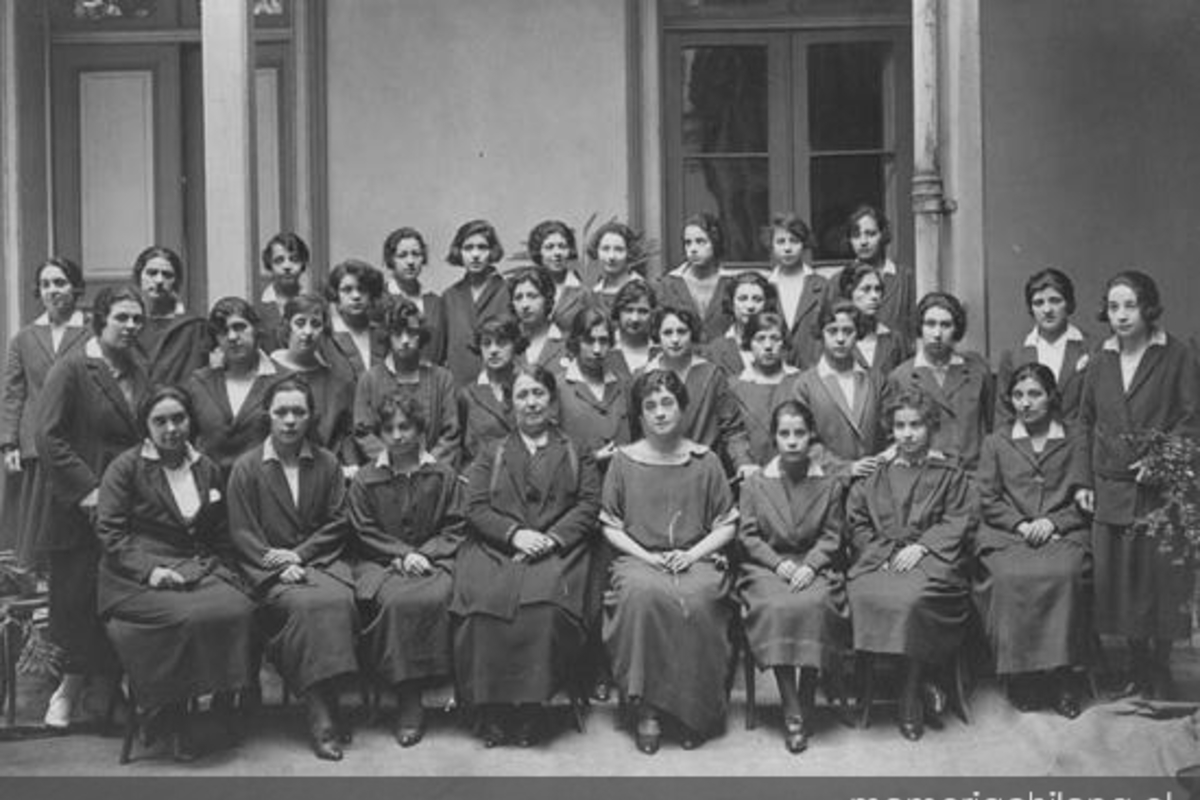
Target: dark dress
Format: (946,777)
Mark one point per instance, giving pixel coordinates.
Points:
(463,315)
(1034,600)
(727,353)
(1140,592)
(758,400)
(804,341)
(26,500)
(84,422)
(668,635)
(520,623)
(178,643)
(713,416)
(220,434)
(891,350)
(483,419)
(964,401)
(333,391)
(673,291)
(434,391)
(593,422)
(434,312)
(1076,357)
(846,433)
(343,354)
(921,613)
(175,347)
(311,625)
(899,302)
(569,300)
(407,631)
(803,523)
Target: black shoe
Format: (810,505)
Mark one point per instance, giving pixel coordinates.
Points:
(912,713)
(933,697)
(912,731)
(795,737)
(690,740)
(492,731)
(1067,703)
(325,745)
(321,732)
(182,750)
(601,691)
(410,725)
(648,736)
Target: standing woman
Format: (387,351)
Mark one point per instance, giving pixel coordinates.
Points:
(879,348)
(228,399)
(801,290)
(765,382)
(747,294)
(354,343)
(171,600)
(532,293)
(174,342)
(287,520)
(485,405)
(552,245)
(1141,380)
(1054,341)
(405,255)
(406,514)
(618,249)
(87,418)
(521,576)
(285,259)
(869,234)
(480,295)
(668,512)
(59,331)
(698,285)
(632,312)
(1034,546)
(792,583)
(593,399)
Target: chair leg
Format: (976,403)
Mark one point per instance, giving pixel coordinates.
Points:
(866,680)
(9,696)
(749,675)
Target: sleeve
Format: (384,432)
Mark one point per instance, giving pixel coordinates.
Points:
(997,511)
(326,543)
(1187,394)
(491,524)
(946,538)
(1002,415)
(114,515)
(612,496)
(374,544)
(15,392)
(448,445)
(753,538)
(245,526)
(824,553)
(578,521)
(365,417)
(1068,517)
(435,317)
(734,439)
(72,477)
(443,545)
(869,549)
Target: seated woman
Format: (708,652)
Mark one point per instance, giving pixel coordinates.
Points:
(1034,546)
(521,576)
(405,255)
(765,382)
(532,293)
(552,245)
(172,603)
(879,348)
(747,294)
(668,511)
(909,522)
(287,519)
(791,583)
(406,513)
(485,405)
(405,372)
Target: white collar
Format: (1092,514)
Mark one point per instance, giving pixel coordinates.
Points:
(1159,338)
(554,332)
(881,329)
(689,449)
(269,454)
(482,379)
(751,375)
(630,277)
(1072,334)
(919,360)
(533,445)
(777,273)
(773,469)
(178,311)
(888,268)
(150,452)
(571,281)
(825,370)
(76,320)
(384,459)
(266,367)
(572,373)
(1056,431)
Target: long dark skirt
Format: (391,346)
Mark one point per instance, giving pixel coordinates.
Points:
(907,613)
(1035,603)
(1140,592)
(22,512)
(793,629)
(179,644)
(525,660)
(311,628)
(75,625)
(668,639)
(408,633)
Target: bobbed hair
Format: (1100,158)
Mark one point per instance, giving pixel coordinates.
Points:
(633,242)
(1143,287)
(500,329)
(794,408)
(1045,378)
(629,294)
(108,297)
(863,212)
(395,238)
(158,251)
(542,281)
(949,303)
(829,311)
(684,315)
(290,243)
(228,307)
(401,314)
(476,227)
(755,278)
(1050,278)
(582,326)
(310,304)
(762,321)
(646,384)
(158,394)
(369,279)
(915,400)
(407,405)
(542,231)
(711,225)
(72,271)
(793,224)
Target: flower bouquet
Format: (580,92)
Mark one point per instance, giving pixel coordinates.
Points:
(1168,462)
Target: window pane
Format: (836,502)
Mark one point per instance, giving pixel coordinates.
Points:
(801,10)
(724,100)
(736,190)
(845,95)
(839,185)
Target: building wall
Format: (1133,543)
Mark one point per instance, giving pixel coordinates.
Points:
(1091,152)
(441,111)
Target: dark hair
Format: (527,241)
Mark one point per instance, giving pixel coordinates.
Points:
(502,329)
(108,297)
(310,304)
(949,303)
(852,275)
(291,243)
(401,314)
(292,383)
(541,279)
(1040,373)
(165,392)
(629,294)
(408,405)
(71,270)
(542,231)
(582,326)
(791,223)
(770,293)
(535,372)
(794,408)
(918,401)
(1143,288)
(829,311)
(764,320)
(646,384)
(228,307)
(475,227)
(158,251)
(370,280)
(711,225)
(633,243)
(881,220)
(395,238)
(1050,278)
(684,315)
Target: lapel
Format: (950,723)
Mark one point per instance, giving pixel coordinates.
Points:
(814,289)
(1075,351)
(956,377)
(214,384)
(277,486)
(487,402)
(107,384)
(41,335)
(490,288)
(156,480)
(834,390)
(923,378)
(1146,367)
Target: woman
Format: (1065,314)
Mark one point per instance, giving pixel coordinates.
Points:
(228,399)
(960,383)
(287,520)
(520,578)
(747,294)
(791,583)
(531,290)
(765,382)
(405,256)
(480,295)
(909,523)
(485,405)
(406,373)
(1034,547)
(1141,380)
(285,260)
(406,514)
(58,332)
(618,250)
(632,311)
(593,407)
(698,285)
(552,245)
(354,343)
(668,512)
(173,606)
(86,419)
(845,397)
(879,348)
(174,342)
(869,233)
(800,288)
(1054,341)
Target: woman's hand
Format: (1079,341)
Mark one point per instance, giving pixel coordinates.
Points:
(1086,500)
(165,578)
(292,573)
(746,470)
(802,578)
(349,471)
(1037,532)
(276,557)
(12,461)
(532,545)
(416,564)
(606,452)
(676,561)
(865,467)
(908,557)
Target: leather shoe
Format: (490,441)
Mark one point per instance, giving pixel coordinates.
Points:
(525,734)
(912,730)
(795,737)
(493,732)
(648,735)
(934,698)
(1068,704)
(410,727)
(325,745)
(182,750)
